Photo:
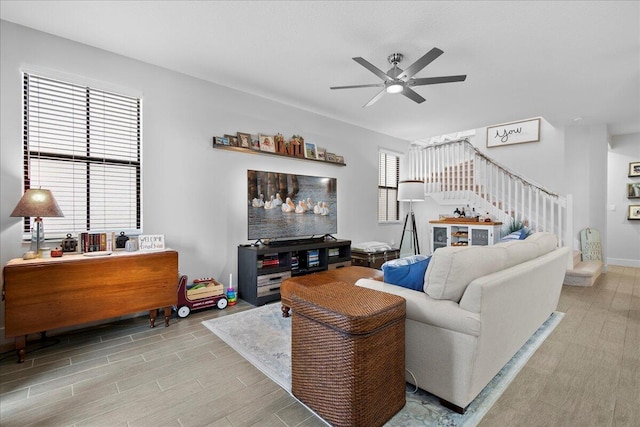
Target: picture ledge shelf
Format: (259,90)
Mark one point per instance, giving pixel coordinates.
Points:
(252,151)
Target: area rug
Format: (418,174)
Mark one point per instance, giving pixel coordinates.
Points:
(263,337)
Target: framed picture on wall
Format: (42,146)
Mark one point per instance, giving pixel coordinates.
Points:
(633,190)
(634,169)
(513,133)
(634,212)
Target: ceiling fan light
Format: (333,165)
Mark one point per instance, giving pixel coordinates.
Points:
(395,88)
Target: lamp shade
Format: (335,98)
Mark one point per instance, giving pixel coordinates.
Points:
(37,203)
(411,191)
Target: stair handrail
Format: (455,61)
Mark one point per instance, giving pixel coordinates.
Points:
(559,221)
(512,174)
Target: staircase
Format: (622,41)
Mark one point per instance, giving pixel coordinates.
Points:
(457,173)
(582,273)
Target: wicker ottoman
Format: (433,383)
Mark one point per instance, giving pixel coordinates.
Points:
(349,275)
(347,353)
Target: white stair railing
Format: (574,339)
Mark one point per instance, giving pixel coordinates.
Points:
(457,172)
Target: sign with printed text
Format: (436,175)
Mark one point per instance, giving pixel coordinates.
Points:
(513,133)
(151,242)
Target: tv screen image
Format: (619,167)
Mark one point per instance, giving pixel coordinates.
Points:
(288,206)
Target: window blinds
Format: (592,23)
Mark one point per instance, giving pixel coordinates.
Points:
(83,144)
(388,176)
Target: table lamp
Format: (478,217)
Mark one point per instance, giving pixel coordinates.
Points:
(37,203)
(411,191)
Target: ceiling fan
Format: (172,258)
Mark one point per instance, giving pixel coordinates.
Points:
(397,80)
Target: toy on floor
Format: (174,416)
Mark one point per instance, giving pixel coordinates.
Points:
(202,293)
(231,294)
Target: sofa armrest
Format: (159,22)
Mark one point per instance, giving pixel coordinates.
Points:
(536,282)
(424,309)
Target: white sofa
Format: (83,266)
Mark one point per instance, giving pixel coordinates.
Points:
(479,306)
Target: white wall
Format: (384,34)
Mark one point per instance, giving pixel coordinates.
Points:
(586,177)
(192,194)
(623,243)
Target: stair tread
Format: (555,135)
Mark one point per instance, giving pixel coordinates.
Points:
(586,268)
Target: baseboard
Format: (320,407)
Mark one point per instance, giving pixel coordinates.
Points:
(622,262)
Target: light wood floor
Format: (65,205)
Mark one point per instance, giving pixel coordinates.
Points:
(125,374)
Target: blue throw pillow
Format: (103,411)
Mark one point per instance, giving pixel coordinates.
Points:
(407,272)
(516,235)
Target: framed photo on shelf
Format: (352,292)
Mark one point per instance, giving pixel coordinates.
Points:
(221,140)
(633,190)
(330,157)
(310,150)
(634,212)
(634,169)
(244,140)
(233,140)
(255,142)
(322,152)
(267,144)
(339,159)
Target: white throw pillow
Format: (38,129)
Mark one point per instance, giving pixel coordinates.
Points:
(452,268)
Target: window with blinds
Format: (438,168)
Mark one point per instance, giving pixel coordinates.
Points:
(83,144)
(388,177)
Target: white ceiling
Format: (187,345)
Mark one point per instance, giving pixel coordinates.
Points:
(559,60)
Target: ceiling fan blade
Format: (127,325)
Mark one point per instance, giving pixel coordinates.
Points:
(436,80)
(426,59)
(413,95)
(375,98)
(369,66)
(357,86)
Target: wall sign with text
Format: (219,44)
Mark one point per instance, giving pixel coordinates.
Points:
(513,133)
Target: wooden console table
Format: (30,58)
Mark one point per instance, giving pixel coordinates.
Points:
(51,293)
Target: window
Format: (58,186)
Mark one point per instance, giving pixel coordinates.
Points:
(388,176)
(83,144)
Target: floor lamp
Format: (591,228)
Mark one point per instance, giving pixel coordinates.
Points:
(411,191)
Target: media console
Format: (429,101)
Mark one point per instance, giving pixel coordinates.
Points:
(262,268)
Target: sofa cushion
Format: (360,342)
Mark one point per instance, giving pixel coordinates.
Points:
(546,242)
(452,268)
(519,251)
(407,272)
(423,309)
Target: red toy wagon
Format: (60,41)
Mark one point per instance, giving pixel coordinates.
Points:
(202,293)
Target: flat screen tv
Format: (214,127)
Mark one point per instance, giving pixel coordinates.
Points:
(290,206)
